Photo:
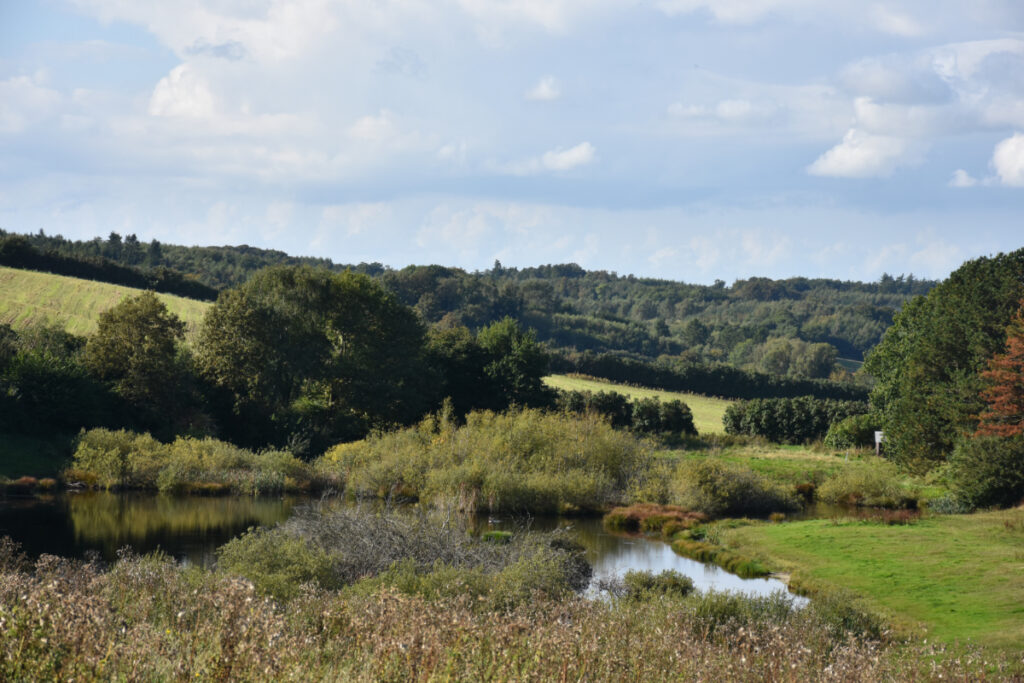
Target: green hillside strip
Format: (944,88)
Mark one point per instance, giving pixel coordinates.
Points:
(29,297)
(961,576)
(707,412)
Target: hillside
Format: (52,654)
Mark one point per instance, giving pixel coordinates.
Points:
(796,327)
(31,297)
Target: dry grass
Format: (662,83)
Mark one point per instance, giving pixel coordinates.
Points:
(147,619)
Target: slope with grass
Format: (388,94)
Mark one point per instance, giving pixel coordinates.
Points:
(707,411)
(959,576)
(30,297)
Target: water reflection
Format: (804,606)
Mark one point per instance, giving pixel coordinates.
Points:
(191,529)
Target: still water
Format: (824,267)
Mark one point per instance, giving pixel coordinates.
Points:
(191,529)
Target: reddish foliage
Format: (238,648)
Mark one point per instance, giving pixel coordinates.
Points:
(1004,394)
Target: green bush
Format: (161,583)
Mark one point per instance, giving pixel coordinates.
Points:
(644,585)
(856,431)
(989,471)
(276,562)
(876,486)
(719,490)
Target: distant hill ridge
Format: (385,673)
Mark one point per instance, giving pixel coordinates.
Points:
(572,309)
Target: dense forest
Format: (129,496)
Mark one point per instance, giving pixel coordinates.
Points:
(796,328)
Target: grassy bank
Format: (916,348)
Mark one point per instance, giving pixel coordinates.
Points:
(707,411)
(32,297)
(961,576)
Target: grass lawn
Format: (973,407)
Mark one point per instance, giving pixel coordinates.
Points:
(30,297)
(33,456)
(959,576)
(707,411)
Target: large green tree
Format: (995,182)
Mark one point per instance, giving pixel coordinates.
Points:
(311,356)
(135,349)
(928,366)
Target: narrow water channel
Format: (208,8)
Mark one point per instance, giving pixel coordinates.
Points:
(191,529)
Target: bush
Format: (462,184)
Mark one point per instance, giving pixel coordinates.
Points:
(989,471)
(856,431)
(644,585)
(276,562)
(718,490)
(876,486)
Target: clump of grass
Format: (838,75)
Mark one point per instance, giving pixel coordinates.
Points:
(719,490)
(742,566)
(877,486)
(651,517)
(520,461)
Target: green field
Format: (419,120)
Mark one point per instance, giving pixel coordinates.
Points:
(28,297)
(707,412)
(785,464)
(958,576)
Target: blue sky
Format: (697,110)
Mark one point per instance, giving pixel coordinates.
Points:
(684,139)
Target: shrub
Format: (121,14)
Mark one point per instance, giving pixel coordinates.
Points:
(875,486)
(276,562)
(989,471)
(855,431)
(718,490)
(644,585)
(651,517)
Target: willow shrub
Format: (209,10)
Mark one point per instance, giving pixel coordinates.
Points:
(720,490)
(521,461)
(123,459)
(879,485)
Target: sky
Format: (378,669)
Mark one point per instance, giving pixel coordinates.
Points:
(691,140)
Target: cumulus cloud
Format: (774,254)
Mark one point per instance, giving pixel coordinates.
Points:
(1008,160)
(863,155)
(547,89)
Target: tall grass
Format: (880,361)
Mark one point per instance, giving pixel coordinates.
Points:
(520,461)
(149,619)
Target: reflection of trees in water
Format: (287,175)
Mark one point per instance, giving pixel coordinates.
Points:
(109,518)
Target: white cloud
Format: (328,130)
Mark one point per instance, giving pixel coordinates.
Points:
(547,89)
(566,159)
(182,93)
(1008,160)
(558,159)
(730,11)
(962,178)
(863,155)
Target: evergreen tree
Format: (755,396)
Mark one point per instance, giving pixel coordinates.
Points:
(1004,394)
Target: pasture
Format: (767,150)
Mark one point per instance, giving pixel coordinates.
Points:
(32,298)
(707,411)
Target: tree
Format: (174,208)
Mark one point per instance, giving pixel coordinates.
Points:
(928,366)
(135,348)
(314,357)
(1004,393)
(518,363)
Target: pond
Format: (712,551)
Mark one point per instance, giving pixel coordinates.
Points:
(190,529)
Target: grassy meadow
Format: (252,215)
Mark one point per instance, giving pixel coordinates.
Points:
(30,297)
(707,411)
(954,577)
